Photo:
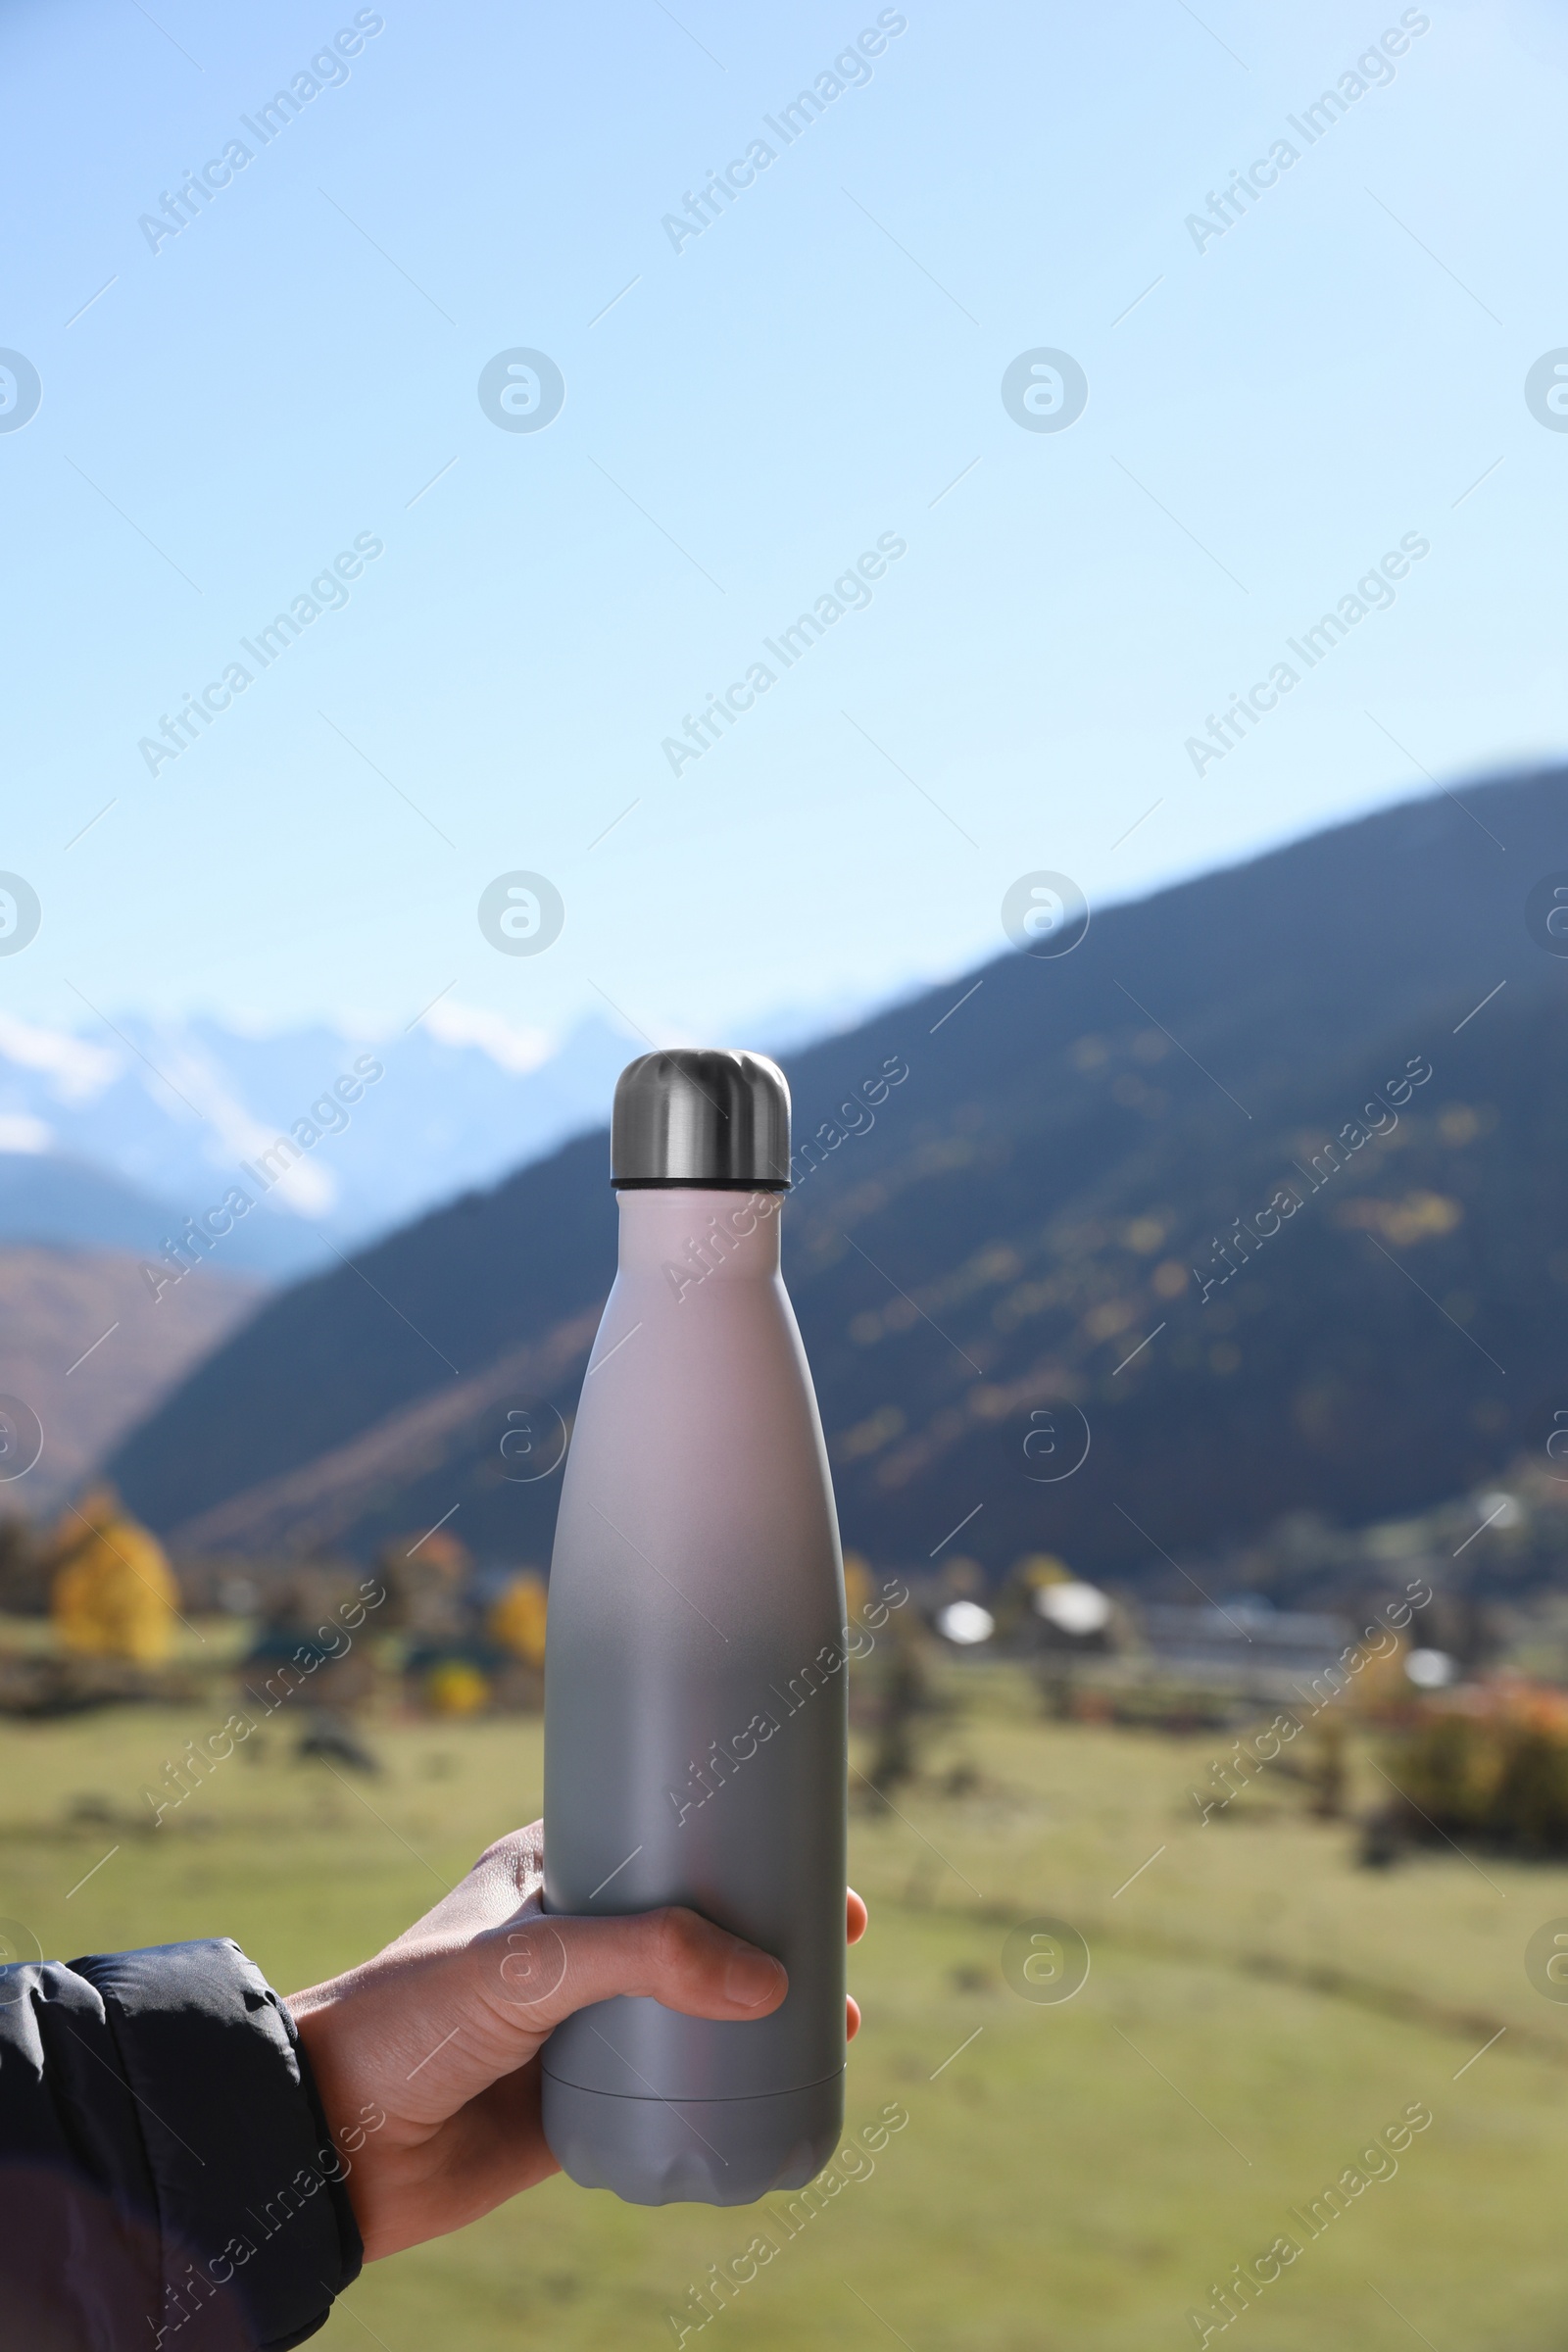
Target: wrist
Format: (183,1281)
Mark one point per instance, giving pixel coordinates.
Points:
(324,2078)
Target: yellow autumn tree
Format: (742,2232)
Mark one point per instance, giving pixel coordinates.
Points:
(517,1621)
(112,1594)
(856,1584)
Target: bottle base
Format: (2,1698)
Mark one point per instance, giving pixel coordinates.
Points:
(692,2151)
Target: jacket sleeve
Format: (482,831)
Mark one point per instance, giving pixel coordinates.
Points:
(166,2175)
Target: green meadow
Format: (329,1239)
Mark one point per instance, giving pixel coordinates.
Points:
(1259,2008)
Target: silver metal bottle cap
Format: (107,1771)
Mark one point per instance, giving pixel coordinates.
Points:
(701,1116)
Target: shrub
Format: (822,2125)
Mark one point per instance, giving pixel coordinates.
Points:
(1493,1766)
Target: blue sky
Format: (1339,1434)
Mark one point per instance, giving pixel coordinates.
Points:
(744,418)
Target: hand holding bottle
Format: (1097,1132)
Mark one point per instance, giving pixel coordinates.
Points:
(438,2036)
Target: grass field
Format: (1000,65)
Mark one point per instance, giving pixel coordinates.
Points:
(1078,2174)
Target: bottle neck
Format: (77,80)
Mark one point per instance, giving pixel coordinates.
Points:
(689,1236)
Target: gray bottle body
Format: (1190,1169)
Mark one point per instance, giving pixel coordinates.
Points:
(695,1710)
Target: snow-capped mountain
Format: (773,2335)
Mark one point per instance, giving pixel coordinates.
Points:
(117,1135)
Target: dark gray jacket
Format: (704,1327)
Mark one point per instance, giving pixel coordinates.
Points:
(166,2175)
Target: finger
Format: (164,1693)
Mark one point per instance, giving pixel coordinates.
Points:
(551,1966)
(852,2017)
(857,1917)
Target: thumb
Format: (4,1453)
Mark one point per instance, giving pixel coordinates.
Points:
(541,1970)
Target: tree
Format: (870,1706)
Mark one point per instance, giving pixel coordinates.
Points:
(517,1621)
(112,1594)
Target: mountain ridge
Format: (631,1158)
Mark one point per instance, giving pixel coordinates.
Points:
(961,1258)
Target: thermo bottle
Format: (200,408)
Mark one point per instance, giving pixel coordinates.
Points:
(695,1715)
